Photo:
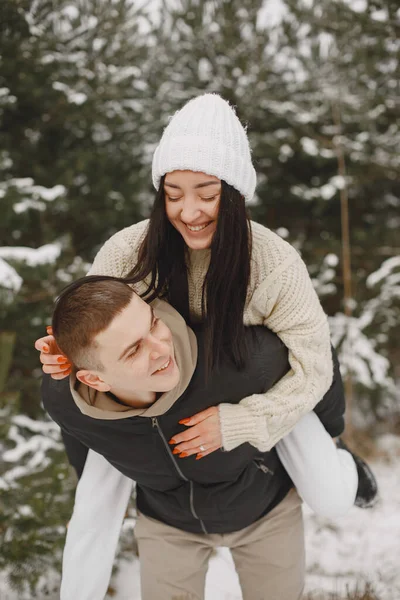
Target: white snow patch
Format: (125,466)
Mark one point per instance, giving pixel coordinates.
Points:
(20,182)
(35,195)
(331,260)
(73,96)
(77,98)
(49,194)
(25,511)
(358,6)
(357,353)
(24,205)
(9,277)
(32,256)
(36,447)
(323,282)
(326,42)
(285,152)
(271,14)
(37,444)
(384,271)
(204,69)
(309,146)
(327,191)
(339,181)
(379,15)
(283,232)
(378,110)
(70,11)
(44,427)
(5,163)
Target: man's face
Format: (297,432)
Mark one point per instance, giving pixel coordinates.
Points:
(137,353)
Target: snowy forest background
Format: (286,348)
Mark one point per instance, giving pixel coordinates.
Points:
(86,87)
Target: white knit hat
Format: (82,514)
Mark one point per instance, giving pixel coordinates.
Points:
(206,136)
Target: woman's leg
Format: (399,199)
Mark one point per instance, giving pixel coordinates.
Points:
(173,563)
(325,477)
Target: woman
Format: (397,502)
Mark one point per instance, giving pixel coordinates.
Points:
(200,253)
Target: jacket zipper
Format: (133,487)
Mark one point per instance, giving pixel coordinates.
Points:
(262,467)
(155,423)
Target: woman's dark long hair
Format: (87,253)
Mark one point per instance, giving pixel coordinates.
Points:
(162,259)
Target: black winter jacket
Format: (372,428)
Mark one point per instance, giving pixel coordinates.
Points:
(224,491)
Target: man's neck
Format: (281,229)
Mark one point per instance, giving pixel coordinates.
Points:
(136,399)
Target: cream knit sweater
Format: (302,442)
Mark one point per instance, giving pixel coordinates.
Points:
(281,297)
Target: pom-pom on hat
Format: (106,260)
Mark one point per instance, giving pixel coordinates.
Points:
(206,136)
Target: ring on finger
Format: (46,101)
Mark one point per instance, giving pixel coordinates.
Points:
(202,448)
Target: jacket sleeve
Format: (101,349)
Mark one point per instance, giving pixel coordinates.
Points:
(286,303)
(76,452)
(101,500)
(331,408)
(55,398)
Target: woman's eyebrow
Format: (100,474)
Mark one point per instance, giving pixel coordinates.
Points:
(206,183)
(196,187)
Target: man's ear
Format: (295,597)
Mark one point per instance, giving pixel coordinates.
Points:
(92,380)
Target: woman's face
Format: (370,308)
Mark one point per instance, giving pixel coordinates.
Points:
(192,205)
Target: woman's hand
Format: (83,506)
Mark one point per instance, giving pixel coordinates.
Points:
(54,362)
(202,437)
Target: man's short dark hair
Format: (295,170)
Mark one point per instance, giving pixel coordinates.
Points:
(84,309)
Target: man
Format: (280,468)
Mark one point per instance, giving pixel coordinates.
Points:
(134,382)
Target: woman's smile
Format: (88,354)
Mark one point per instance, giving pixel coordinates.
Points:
(197,228)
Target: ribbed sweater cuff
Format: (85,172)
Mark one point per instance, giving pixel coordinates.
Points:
(240,425)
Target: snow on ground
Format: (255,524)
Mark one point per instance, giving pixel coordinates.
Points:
(362,546)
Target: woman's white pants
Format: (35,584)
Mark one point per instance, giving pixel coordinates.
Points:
(325,476)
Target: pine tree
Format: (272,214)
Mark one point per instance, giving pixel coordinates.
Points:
(341,132)
(72,139)
(72,100)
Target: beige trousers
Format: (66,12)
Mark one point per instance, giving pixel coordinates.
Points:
(269,556)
